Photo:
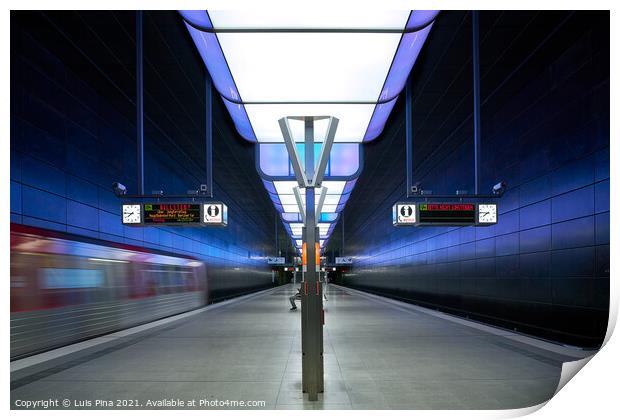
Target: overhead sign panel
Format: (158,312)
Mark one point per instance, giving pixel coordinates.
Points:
(276,260)
(175,214)
(344,260)
(215,214)
(444,214)
(404,214)
(450,214)
(171,213)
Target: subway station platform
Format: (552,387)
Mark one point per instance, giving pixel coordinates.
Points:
(379,354)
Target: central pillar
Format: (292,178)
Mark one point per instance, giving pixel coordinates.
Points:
(311,300)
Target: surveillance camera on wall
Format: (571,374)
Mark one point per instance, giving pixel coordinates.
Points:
(119,189)
(416,188)
(499,188)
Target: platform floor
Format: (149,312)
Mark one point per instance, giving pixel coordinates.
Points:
(377,356)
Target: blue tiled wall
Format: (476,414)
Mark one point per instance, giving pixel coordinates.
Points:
(544,268)
(68,144)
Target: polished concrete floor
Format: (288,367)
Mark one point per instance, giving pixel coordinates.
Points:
(378,355)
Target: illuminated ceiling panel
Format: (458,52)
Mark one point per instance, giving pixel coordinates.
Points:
(353,70)
(351,65)
(360,76)
(309,19)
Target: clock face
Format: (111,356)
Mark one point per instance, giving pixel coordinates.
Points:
(132,213)
(487,213)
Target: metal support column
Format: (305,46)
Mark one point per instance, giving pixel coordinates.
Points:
(342,224)
(476,72)
(311,304)
(209,133)
(409,134)
(310,178)
(139,104)
(276,231)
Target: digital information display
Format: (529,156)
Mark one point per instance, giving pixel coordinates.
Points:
(444,214)
(450,214)
(175,214)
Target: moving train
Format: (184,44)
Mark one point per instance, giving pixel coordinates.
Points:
(66,289)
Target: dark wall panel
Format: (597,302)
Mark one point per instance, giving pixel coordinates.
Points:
(544,268)
(73,135)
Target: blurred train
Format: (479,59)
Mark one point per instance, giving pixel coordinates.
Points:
(64,290)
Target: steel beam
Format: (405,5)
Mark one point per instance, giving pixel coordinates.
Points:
(209,132)
(300,204)
(409,134)
(319,207)
(476,72)
(342,223)
(289,141)
(326,149)
(139,103)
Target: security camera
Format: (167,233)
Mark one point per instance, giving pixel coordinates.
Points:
(417,188)
(499,188)
(119,189)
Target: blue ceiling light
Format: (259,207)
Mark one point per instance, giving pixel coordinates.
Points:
(273,161)
(355,65)
(408,50)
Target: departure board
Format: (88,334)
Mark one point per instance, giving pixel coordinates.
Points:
(172,213)
(447,214)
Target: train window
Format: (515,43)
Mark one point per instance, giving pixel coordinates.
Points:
(71,278)
(168,280)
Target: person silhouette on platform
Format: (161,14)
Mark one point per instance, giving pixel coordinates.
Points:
(293,298)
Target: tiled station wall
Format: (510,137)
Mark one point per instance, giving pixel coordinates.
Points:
(68,144)
(544,268)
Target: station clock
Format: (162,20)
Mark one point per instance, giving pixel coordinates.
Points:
(487,213)
(132,214)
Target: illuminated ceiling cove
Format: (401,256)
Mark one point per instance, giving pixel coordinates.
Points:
(268,65)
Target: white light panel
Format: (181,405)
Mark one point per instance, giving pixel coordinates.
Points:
(330,199)
(289,208)
(329,208)
(287,199)
(352,125)
(309,18)
(266,65)
(285,187)
(334,187)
